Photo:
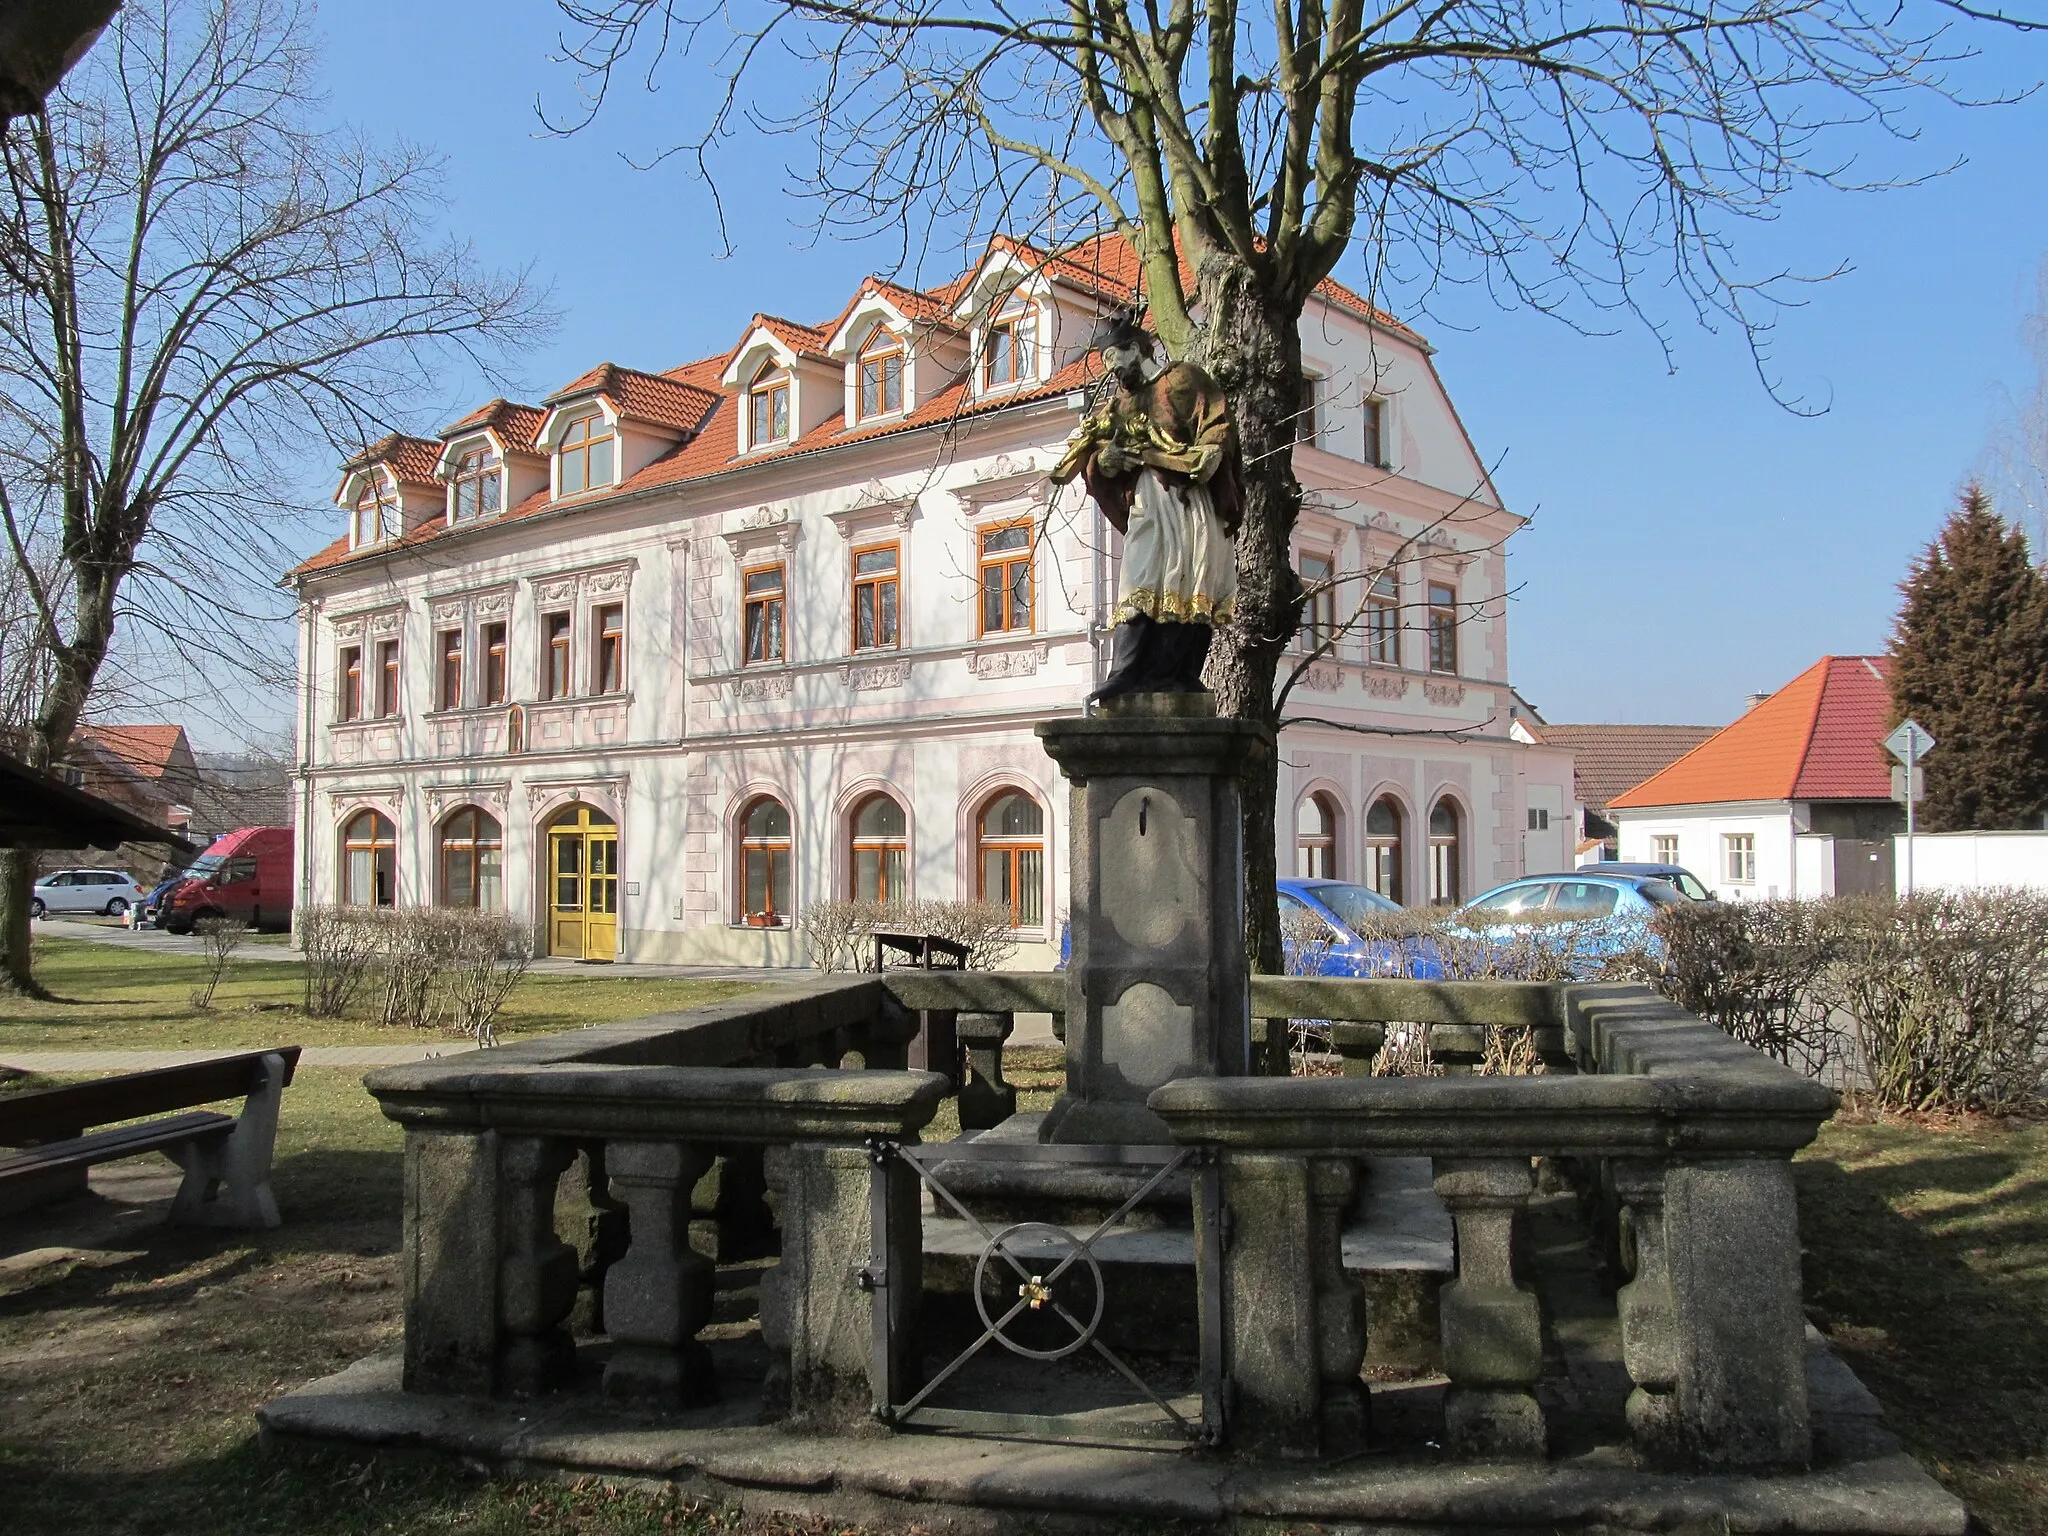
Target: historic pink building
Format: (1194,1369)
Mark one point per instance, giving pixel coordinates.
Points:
(670,654)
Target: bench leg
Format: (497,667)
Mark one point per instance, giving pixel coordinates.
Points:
(227,1182)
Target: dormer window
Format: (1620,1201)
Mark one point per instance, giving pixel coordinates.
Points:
(768,407)
(478,484)
(585,454)
(881,375)
(376,516)
(1010,349)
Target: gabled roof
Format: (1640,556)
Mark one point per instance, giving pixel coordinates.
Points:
(638,396)
(1607,759)
(518,425)
(1817,738)
(411,459)
(146,750)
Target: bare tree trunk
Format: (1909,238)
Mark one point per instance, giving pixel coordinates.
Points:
(17,889)
(1255,355)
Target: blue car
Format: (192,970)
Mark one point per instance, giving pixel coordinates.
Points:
(1620,908)
(1320,923)
(1327,915)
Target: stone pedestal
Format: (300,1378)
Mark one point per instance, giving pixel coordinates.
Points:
(1157,986)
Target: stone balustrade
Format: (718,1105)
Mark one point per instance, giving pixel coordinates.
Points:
(1684,1133)
(1680,1137)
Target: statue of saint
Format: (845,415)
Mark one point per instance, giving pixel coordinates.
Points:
(1161,460)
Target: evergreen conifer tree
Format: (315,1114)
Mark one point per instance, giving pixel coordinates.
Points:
(1969,661)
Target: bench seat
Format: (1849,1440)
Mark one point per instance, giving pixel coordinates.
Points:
(226,1158)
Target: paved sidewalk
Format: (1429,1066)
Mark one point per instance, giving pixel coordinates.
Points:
(137,1061)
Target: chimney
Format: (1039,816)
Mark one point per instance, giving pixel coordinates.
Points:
(1751,700)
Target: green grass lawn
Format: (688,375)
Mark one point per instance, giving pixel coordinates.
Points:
(110,998)
(128,1381)
(1927,1267)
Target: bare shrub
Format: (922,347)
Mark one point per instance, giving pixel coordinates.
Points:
(839,935)
(222,936)
(1948,997)
(417,952)
(983,926)
(339,944)
(1757,969)
(1306,941)
(489,954)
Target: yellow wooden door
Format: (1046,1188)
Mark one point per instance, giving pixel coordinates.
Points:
(583,887)
(565,892)
(601,887)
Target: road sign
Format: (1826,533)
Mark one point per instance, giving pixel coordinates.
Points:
(1899,784)
(1910,742)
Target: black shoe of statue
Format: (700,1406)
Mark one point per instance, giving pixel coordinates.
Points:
(1137,639)
(1191,654)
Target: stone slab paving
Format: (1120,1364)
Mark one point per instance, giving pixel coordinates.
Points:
(1864,1487)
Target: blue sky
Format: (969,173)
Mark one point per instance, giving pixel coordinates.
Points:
(1692,541)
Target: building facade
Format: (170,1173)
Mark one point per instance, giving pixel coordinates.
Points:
(1791,799)
(664,658)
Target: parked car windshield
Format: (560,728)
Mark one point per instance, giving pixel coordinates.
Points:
(1356,905)
(1517,901)
(1686,884)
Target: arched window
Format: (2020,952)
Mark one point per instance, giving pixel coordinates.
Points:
(585,454)
(1315,839)
(881,853)
(1384,855)
(1010,852)
(368,867)
(1444,824)
(768,407)
(377,513)
(478,490)
(881,375)
(472,861)
(765,858)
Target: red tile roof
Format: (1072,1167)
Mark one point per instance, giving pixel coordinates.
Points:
(518,425)
(411,459)
(147,749)
(688,397)
(1817,738)
(1607,759)
(650,397)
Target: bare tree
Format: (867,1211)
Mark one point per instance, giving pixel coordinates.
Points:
(1573,158)
(197,282)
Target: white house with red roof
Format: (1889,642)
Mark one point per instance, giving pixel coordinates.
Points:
(671,654)
(1792,799)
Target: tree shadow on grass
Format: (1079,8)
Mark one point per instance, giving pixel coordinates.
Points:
(1915,1301)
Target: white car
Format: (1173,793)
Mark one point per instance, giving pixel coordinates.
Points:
(112,891)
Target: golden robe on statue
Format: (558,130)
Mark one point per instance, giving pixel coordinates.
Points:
(1177,503)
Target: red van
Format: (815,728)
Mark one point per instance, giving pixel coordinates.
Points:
(245,874)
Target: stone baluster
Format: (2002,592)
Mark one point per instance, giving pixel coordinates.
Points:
(659,1294)
(1457,1049)
(1340,1309)
(596,1229)
(1359,1045)
(537,1271)
(985,1099)
(1649,1313)
(744,1225)
(775,1304)
(1293,1335)
(1492,1327)
(890,1036)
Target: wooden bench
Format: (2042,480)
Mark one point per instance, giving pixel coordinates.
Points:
(226,1158)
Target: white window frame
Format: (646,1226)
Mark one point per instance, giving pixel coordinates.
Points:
(1738,857)
(1666,844)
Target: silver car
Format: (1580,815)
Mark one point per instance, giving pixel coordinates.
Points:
(110,891)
